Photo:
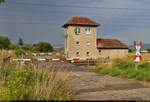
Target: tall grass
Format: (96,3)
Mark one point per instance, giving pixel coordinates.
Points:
(125,67)
(32,82)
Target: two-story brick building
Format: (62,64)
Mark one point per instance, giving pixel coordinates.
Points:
(81,41)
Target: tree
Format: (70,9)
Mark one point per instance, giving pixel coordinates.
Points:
(148,50)
(28,47)
(4,42)
(130,50)
(12,47)
(20,42)
(43,47)
(1,1)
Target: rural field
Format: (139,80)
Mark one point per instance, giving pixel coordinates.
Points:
(115,80)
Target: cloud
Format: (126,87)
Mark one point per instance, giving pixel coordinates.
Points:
(37,20)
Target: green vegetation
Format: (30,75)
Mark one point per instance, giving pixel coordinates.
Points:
(31,82)
(148,50)
(28,48)
(6,44)
(12,46)
(43,47)
(130,50)
(1,1)
(20,42)
(125,67)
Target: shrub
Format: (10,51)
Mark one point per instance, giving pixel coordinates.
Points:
(148,50)
(144,65)
(20,42)
(19,85)
(4,42)
(43,47)
(28,47)
(31,82)
(19,51)
(125,67)
(12,47)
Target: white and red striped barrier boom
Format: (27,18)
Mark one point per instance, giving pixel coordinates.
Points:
(137,56)
(47,54)
(51,59)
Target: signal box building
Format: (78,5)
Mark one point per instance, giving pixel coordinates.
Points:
(81,41)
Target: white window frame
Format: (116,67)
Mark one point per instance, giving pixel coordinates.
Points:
(77,31)
(100,52)
(77,43)
(88,54)
(88,30)
(88,43)
(78,54)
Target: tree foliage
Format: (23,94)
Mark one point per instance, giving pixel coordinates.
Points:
(12,46)
(43,47)
(130,50)
(1,1)
(148,50)
(28,47)
(4,42)
(20,42)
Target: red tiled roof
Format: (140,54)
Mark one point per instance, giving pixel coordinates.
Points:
(110,43)
(81,21)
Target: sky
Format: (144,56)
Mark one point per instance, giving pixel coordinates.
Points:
(42,20)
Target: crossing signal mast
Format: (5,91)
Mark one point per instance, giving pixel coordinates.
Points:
(137,56)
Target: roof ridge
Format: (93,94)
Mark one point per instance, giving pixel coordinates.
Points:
(107,38)
(76,20)
(110,42)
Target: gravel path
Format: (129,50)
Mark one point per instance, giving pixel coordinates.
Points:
(91,86)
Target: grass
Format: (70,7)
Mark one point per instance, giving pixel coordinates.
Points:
(125,67)
(32,82)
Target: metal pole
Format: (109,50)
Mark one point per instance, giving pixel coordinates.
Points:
(136,65)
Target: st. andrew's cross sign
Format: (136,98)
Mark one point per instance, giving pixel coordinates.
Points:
(137,56)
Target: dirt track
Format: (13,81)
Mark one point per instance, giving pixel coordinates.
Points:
(91,86)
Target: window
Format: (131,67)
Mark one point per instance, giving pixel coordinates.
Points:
(77,43)
(87,30)
(77,54)
(87,53)
(100,52)
(88,43)
(77,31)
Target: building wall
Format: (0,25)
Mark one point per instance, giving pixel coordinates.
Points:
(71,38)
(112,53)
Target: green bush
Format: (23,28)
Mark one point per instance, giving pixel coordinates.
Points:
(32,83)
(1,1)
(115,72)
(19,85)
(19,51)
(144,65)
(12,47)
(28,47)
(148,50)
(125,67)
(4,42)
(43,47)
